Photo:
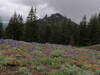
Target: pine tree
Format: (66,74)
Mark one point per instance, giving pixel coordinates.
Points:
(98,24)
(69,31)
(14,28)
(94,30)
(30,32)
(55,22)
(1,30)
(44,30)
(83,33)
(20,27)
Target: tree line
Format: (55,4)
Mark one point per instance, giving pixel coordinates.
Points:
(56,29)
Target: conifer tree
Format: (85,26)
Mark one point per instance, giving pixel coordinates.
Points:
(83,33)
(1,30)
(20,27)
(30,32)
(14,28)
(94,30)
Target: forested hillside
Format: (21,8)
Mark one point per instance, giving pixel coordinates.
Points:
(56,29)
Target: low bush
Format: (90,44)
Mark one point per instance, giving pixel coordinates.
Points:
(22,62)
(2,57)
(57,53)
(32,62)
(40,68)
(8,61)
(51,61)
(46,61)
(37,53)
(55,73)
(25,71)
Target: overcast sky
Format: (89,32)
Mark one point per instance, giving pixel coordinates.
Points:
(74,9)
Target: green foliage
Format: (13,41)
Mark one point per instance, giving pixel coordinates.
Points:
(25,71)
(33,62)
(56,65)
(2,57)
(40,68)
(69,69)
(57,53)
(37,53)
(7,61)
(46,61)
(52,61)
(58,60)
(97,72)
(55,73)
(74,70)
(86,66)
(23,62)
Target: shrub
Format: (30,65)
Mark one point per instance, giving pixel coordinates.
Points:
(58,60)
(32,62)
(46,61)
(57,66)
(8,61)
(69,69)
(74,70)
(97,72)
(51,61)
(40,68)
(55,73)
(57,53)
(25,71)
(1,57)
(98,56)
(86,66)
(22,62)
(37,53)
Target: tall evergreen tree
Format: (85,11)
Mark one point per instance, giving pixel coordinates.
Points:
(20,27)
(83,33)
(14,28)
(1,30)
(30,32)
(44,30)
(55,22)
(94,30)
(69,31)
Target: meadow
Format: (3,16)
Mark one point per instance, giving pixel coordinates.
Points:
(22,58)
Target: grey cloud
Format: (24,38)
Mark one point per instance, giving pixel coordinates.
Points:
(74,9)
(29,2)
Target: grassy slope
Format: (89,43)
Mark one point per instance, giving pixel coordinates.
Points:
(49,59)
